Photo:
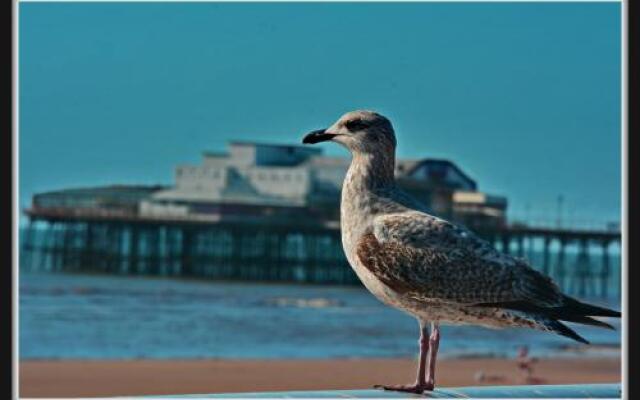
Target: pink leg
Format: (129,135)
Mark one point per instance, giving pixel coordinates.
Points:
(434,343)
(421,384)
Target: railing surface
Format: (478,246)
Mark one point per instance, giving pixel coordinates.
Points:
(591,391)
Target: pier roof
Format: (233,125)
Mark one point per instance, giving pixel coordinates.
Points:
(118,188)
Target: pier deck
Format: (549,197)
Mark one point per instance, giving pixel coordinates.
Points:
(245,247)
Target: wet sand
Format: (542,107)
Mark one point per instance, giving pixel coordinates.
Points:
(151,377)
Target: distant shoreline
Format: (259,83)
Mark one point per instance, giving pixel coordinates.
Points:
(87,378)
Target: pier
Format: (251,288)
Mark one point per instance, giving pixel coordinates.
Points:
(588,274)
(306,250)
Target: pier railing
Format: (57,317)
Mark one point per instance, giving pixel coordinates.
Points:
(588,391)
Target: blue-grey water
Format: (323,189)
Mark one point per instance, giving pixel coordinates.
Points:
(65,316)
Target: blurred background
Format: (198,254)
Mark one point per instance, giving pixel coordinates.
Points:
(169,211)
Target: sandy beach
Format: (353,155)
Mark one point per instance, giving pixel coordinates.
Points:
(149,377)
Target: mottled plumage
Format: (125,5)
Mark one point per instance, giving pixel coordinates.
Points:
(430,268)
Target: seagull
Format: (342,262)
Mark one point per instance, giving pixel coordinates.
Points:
(436,271)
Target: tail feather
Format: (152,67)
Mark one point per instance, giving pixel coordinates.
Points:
(575,307)
(581,319)
(571,310)
(561,329)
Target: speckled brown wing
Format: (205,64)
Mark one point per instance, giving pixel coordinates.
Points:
(432,260)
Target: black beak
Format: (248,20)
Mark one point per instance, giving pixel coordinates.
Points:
(317,136)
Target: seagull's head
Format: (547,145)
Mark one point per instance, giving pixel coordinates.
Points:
(361,132)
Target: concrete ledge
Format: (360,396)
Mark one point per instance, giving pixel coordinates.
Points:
(591,391)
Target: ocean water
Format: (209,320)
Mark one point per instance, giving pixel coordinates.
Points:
(64,316)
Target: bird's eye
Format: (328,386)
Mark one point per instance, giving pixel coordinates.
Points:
(356,125)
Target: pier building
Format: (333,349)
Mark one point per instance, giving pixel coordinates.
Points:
(258,178)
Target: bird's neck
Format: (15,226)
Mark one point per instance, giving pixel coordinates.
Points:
(368,175)
(370,171)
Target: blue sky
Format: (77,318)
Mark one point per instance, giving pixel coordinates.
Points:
(524,97)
